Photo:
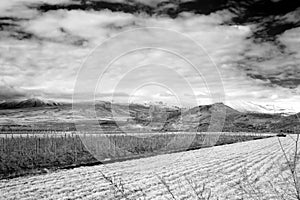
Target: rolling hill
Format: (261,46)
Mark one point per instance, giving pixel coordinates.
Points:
(41,114)
(199,119)
(29,103)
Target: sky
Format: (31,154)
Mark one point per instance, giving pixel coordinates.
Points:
(247,53)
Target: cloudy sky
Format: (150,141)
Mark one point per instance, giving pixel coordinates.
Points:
(249,56)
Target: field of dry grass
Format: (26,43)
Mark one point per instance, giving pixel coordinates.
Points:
(248,170)
(22,154)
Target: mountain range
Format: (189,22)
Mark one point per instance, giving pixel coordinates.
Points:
(43,114)
(28,103)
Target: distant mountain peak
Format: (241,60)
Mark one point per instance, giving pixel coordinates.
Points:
(219,107)
(248,106)
(218,103)
(34,99)
(28,103)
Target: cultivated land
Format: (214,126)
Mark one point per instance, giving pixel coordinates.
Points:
(26,153)
(248,170)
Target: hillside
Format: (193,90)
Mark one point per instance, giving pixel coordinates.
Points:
(29,103)
(199,119)
(40,114)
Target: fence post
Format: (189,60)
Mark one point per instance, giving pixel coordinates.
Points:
(3,145)
(115,146)
(19,144)
(54,143)
(75,150)
(35,143)
(6,142)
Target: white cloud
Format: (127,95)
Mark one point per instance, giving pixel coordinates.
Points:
(49,65)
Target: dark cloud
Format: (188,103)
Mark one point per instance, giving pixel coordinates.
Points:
(170,8)
(203,6)
(268,18)
(10,26)
(273,80)
(96,6)
(6,22)
(284,76)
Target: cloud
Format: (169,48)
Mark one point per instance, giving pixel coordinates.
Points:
(256,49)
(274,66)
(67,26)
(268,17)
(95,27)
(9,92)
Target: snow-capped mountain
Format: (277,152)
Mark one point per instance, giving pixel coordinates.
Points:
(244,106)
